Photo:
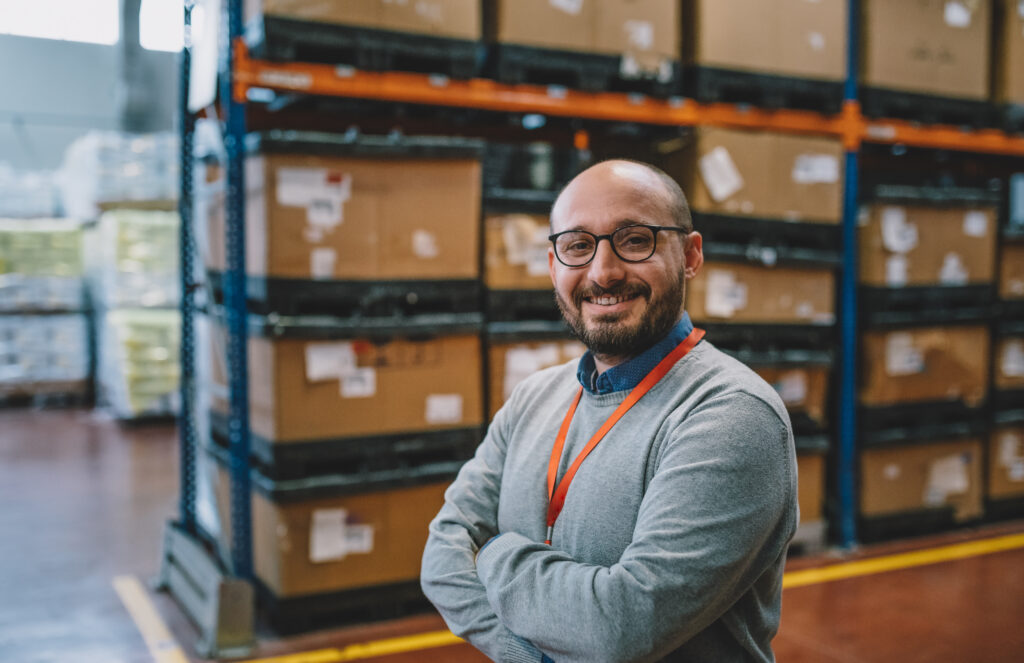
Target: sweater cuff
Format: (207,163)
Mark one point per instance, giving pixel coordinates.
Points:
(518,650)
(495,551)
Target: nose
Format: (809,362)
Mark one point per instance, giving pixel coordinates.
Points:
(606,269)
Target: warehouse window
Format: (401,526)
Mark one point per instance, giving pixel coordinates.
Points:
(162,24)
(91,21)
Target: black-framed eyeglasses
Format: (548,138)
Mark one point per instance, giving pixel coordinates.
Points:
(576,248)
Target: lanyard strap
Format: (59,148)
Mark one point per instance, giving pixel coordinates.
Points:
(556,497)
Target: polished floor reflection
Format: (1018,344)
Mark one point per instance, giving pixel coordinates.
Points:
(85,499)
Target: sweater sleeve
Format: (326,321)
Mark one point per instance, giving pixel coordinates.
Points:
(448,574)
(716,516)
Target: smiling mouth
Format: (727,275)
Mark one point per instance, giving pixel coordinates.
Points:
(606,300)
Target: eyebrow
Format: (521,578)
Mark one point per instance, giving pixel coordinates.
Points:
(620,224)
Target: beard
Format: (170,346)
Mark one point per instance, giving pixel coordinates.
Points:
(607,335)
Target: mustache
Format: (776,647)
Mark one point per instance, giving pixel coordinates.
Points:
(625,290)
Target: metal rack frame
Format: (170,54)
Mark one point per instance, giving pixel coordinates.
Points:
(240,73)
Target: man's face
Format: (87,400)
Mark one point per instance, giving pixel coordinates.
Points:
(616,308)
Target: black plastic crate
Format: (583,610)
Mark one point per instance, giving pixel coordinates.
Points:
(926,305)
(926,108)
(712,85)
(590,72)
(919,522)
(774,344)
(295,40)
(769,241)
(922,422)
(526,177)
(522,305)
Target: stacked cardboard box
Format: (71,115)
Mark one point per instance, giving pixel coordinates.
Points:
(760,174)
(645,33)
(739,293)
(1008,71)
(1006,463)
(903,245)
(928,46)
(1011,271)
(792,38)
(512,362)
(443,18)
(41,265)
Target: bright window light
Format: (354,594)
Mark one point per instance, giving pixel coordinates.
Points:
(91,21)
(162,24)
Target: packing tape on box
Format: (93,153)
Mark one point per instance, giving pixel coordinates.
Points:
(322,260)
(896,270)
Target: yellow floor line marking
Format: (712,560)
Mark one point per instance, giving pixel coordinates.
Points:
(158,639)
(902,561)
(792,579)
(373,649)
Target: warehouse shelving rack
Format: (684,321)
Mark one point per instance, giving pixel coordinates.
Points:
(241,74)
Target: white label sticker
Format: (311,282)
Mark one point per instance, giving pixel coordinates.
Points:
(327,535)
(953,271)
(329,360)
(816,40)
(430,11)
(321,262)
(896,270)
(1011,363)
(898,235)
(359,383)
(975,224)
(424,244)
(724,295)
(331,538)
(815,169)
(957,15)
(901,357)
(792,387)
(891,471)
(720,174)
(1016,472)
(640,34)
(1020,8)
(444,408)
(522,361)
(322,192)
(946,476)
(1009,449)
(573,7)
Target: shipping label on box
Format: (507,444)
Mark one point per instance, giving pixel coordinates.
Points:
(1006,463)
(749,293)
(516,252)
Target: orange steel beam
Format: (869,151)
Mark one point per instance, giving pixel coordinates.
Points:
(485,94)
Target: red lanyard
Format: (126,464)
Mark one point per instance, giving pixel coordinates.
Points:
(556,498)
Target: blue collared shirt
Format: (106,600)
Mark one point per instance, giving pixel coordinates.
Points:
(629,374)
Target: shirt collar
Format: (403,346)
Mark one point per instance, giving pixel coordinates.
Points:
(629,373)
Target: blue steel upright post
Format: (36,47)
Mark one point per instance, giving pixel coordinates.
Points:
(186,419)
(847,461)
(235,302)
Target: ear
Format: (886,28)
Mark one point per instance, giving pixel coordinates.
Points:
(693,254)
(551,264)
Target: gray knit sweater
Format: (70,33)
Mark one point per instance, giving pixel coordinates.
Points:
(672,539)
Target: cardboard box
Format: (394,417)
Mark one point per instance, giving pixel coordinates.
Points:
(559,24)
(927,246)
(927,46)
(646,31)
(811,487)
(925,364)
(1006,463)
(1011,271)
(331,544)
(734,292)
(516,252)
(1008,78)
(344,218)
(457,19)
(303,390)
(1009,368)
(933,475)
(759,174)
(798,38)
(511,363)
(804,389)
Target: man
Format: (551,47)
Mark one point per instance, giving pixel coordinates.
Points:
(666,541)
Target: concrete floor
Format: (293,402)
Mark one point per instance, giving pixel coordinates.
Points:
(85,500)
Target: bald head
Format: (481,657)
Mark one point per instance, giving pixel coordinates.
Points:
(633,177)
